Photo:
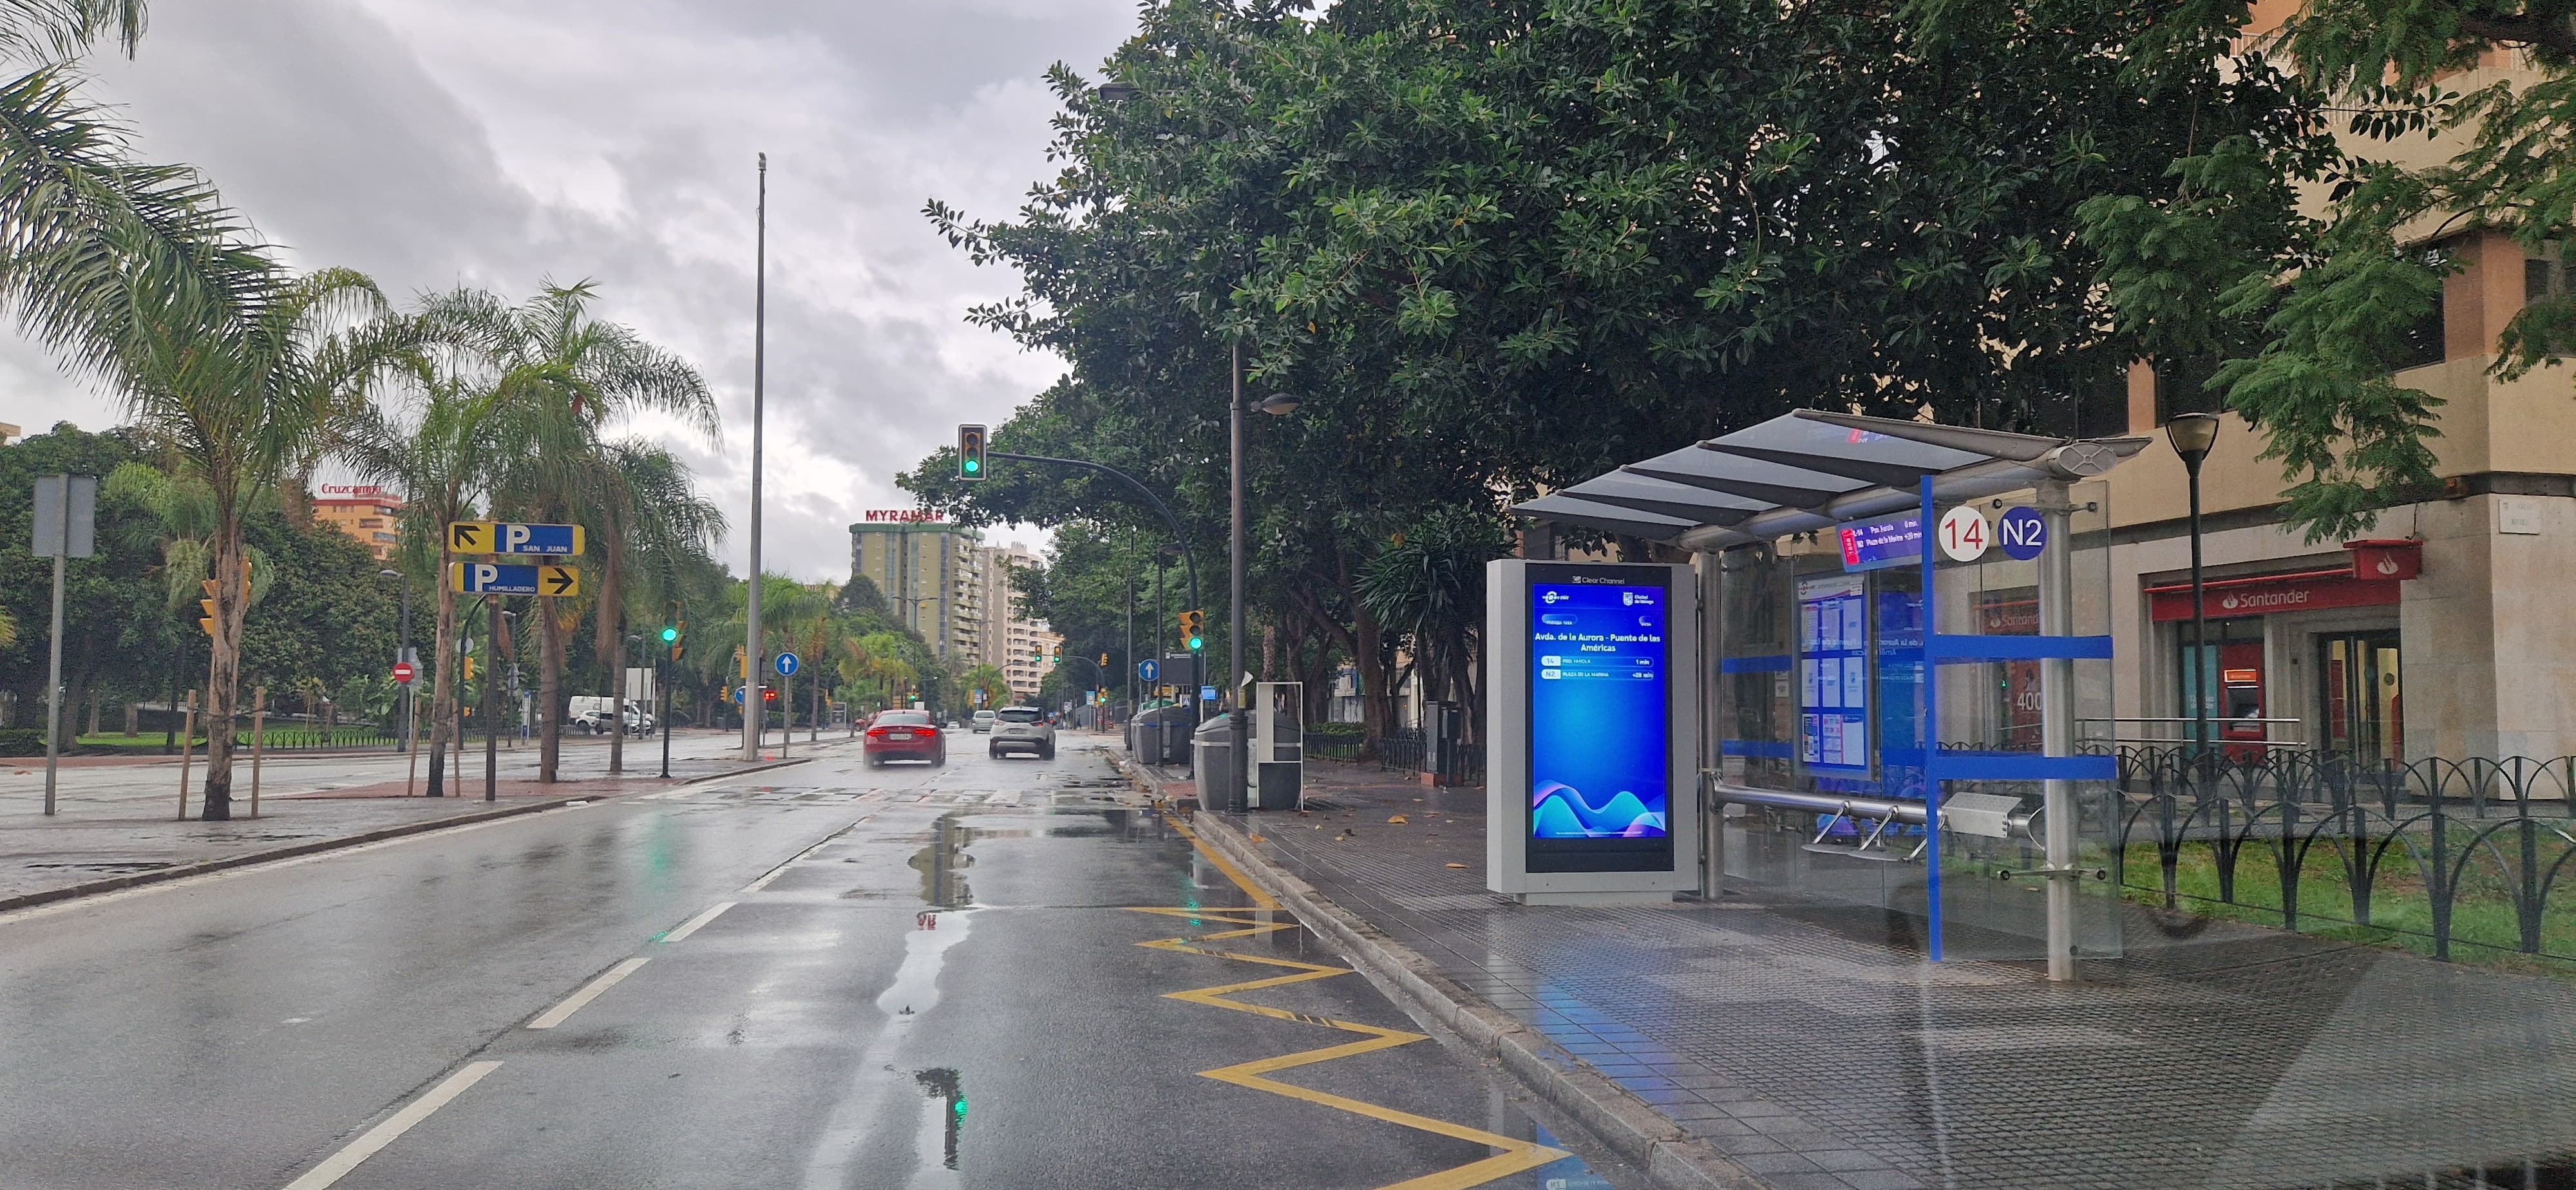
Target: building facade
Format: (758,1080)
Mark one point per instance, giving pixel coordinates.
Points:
(2439,632)
(934,577)
(368,514)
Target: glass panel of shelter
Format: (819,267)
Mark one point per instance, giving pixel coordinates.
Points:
(1822,692)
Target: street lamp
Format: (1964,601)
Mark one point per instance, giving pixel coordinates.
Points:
(2192,436)
(402,653)
(1238,717)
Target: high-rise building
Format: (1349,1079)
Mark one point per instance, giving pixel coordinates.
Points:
(1018,645)
(934,577)
(365,512)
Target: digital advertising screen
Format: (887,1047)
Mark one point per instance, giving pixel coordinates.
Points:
(1600,727)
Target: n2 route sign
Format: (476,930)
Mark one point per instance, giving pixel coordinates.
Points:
(503,537)
(498,578)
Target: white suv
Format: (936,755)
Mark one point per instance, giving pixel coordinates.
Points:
(983,722)
(1023,729)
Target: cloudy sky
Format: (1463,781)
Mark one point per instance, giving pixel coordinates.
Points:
(436,142)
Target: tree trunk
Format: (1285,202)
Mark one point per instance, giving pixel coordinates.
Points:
(1377,691)
(550,667)
(442,693)
(224,671)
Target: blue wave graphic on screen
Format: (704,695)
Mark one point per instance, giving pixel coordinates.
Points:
(1558,811)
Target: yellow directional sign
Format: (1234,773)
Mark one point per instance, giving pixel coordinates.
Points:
(499,578)
(505,537)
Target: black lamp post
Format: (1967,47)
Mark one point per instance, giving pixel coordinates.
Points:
(2192,434)
(1239,718)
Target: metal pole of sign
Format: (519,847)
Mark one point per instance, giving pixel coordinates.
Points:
(2057,725)
(491,710)
(54,682)
(258,741)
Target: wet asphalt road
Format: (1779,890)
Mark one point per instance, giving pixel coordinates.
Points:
(903,977)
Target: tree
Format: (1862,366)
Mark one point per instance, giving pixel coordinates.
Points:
(986,687)
(1503,247)
(578,374)
(653,532)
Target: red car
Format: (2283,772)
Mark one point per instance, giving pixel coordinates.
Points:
(906,735)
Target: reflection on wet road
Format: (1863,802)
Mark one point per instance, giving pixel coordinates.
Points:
(998,973)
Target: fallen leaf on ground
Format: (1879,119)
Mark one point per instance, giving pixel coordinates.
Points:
(1398,820)
(1257,838)
(1457,865)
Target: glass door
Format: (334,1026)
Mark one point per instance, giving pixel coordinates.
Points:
(2361,703)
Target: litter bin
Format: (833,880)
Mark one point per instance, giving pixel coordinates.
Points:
(1214,753)
(1145,739)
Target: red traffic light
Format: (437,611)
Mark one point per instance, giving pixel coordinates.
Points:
(768,696)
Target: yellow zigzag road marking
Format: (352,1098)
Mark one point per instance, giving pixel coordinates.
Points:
(1517,1155)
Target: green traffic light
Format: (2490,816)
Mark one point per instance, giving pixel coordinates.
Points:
(670,634)
(974,465)
(1196,644)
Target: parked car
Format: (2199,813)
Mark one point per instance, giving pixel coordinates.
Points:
(983,722)
(1024,730)
(905,735)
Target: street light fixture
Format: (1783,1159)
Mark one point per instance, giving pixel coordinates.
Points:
(2192,435)
(1118,92)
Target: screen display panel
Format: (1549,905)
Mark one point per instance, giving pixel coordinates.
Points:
(1600,727)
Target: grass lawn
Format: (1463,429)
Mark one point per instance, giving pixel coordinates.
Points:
(2484,926)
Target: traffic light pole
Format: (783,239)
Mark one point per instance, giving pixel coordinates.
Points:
(1189,565)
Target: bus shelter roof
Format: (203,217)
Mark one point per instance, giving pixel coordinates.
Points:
(1811,470)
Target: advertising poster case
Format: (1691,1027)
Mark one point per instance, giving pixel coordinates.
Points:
(1833,674)
(1600,718)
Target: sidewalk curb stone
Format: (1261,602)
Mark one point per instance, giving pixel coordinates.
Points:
(108,884)
(1631,1127)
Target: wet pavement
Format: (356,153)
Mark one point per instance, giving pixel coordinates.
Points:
(999,973)
(1807,1039)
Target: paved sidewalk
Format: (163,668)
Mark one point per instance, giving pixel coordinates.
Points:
(1813,1048)
(97,842)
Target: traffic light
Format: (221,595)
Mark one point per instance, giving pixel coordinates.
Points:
(208,605)
(469,668)
(1194,630)
(970,452)
(671,638)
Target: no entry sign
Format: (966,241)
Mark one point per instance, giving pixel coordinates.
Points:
(404,673)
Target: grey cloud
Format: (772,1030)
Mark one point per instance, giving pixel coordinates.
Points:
(414,140)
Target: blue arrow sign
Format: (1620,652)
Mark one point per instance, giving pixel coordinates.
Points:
(496,578)
(786,664)
(1149,669)
(504,537)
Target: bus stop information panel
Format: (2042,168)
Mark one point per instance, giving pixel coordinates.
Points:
(1599,712)
(1591,730)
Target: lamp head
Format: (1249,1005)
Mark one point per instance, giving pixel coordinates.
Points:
(388,574)
(1279,406)
(1118,92)
(2192,434)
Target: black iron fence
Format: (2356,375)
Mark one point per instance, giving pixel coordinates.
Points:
(2435,855)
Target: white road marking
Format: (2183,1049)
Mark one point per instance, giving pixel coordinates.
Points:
(790,861)
(339,1164)
(555,1016)
(691,926)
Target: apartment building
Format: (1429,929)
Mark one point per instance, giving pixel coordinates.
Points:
(934,576)
(367,513)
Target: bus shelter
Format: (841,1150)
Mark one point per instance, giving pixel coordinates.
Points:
(1905,634)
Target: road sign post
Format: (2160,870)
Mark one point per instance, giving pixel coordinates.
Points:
(66,527)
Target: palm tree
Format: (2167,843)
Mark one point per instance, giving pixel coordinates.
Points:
(655,534)
(441,459)
(575,374)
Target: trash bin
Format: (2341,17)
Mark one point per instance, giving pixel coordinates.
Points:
(1145,739)
(1214,754)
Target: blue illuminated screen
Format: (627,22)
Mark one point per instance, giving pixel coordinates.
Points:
(1599,717)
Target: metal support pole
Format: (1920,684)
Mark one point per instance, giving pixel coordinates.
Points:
(54,680)
(751,704)
(1236,730)
(662,724)
(402,652)
(492,713)
(2057,726)
(258,741)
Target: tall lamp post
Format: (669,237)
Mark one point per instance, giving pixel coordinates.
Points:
(2192,435)
(751,679)
(1238,718)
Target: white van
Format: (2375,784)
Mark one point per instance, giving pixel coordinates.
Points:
(983,721)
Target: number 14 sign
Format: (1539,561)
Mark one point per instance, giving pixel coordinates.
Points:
(1964,534)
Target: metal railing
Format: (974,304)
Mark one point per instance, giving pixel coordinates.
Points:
(2434,854)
